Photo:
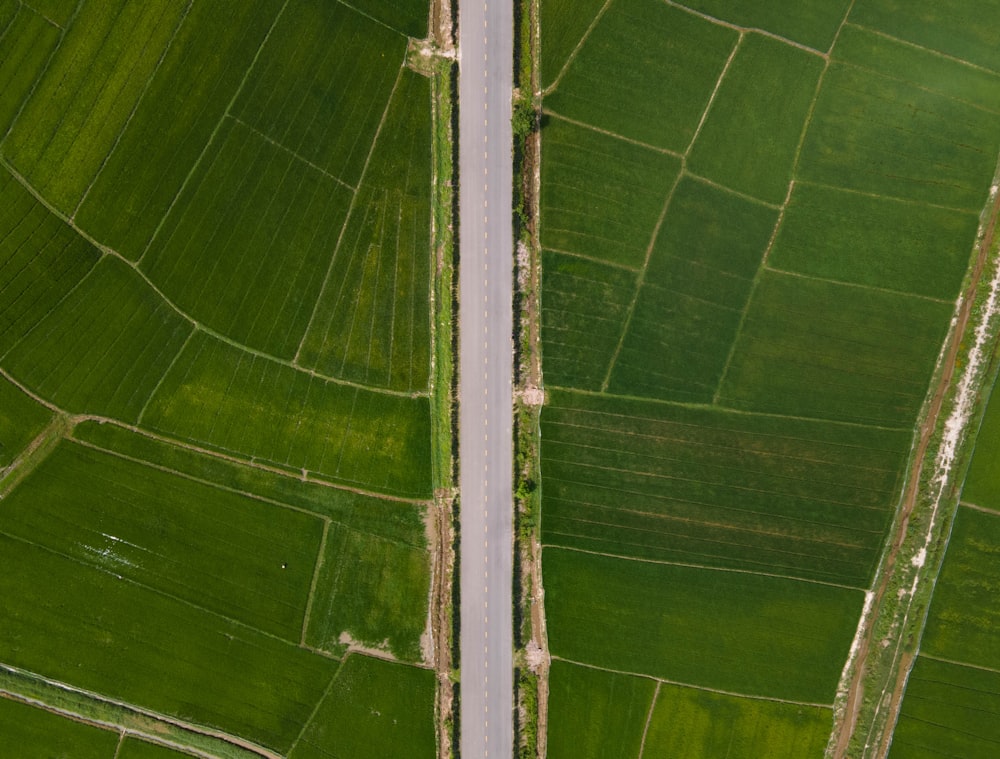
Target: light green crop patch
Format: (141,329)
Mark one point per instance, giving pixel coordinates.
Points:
(733,631)
(372,319)
(34,733)
(227,399)
(104,348)
(583,316)
(374,709)
(646,72)
(80,106)
(25,47)
(593,713)
(697,724)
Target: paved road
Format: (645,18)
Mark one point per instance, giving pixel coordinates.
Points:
(486,368)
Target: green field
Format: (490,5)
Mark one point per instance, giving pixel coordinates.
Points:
(594,713)
(696,284)
(735,396)
(372,588)
(269,245)
(233,555)
(840,235)
(751,133)
(696,724)
(121,639)
(951,27)
(391,519)
(41,261)
(136,749)
(645,72)
(371,322)
(982,483)
(104,348)
(372,709)
(215,341)
(564,23)
(72,119)
(213,393)
(601,196)
(876,133)
(167,134)
(37,734)
(963,618)
(25,47)
(949,710)
(791,497)
(734,631)
(832,351)
(586,303)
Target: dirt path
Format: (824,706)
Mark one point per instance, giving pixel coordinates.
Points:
(846,725)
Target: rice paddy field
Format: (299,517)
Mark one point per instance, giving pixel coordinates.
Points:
(215,375)
(755,221)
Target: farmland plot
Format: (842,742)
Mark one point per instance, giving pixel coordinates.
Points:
(41,261)
(596,713)
(949,710)
(371,322)
(221,512)
(39,734)
(212,395)
(104,348)
(738,398)
(691,724)
(696,284)
(781,496)
(72,119)
(166,135)
(734,631)
(372,709)
(26,41)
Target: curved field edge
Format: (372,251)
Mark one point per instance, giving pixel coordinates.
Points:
(885,645)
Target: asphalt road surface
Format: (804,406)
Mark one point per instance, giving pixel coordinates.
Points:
(485,376)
